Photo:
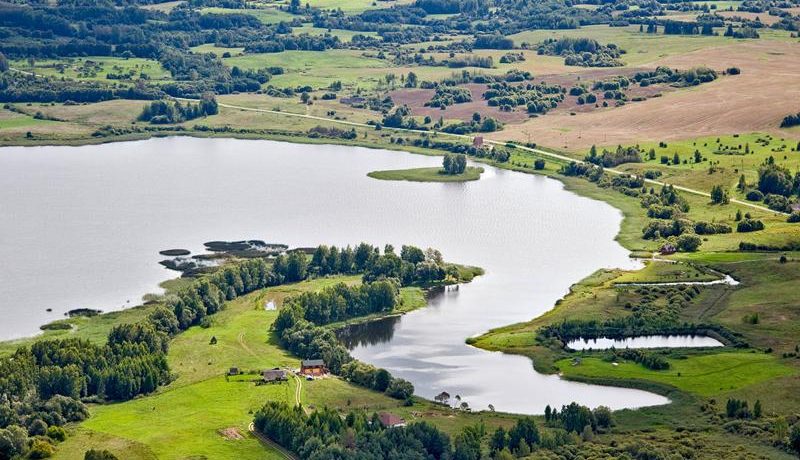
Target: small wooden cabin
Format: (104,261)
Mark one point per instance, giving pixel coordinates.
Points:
(313,367)
(390,420)
(273,375)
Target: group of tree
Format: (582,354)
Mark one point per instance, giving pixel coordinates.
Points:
(166,112)
(690,77)
(341,302)
(609,159)
(454,163)
(445,96)
(790,120)
(326,434)
(584,52)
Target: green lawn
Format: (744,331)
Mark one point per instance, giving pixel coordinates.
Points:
(704,375)
(427,175)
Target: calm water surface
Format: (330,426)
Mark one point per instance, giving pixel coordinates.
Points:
(646,341)
(82,227)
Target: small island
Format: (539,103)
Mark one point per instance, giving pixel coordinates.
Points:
(454,169)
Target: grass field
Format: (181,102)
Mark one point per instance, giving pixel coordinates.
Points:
(96,68)
(265,15)
(427,175)
(660,272)
(704,375)
(641,48)
(729,155)
(317,68)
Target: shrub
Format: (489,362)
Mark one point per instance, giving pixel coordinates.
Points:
(41,449)
(754,195)
(749,225)
(538,164)
(93,454)
(794,217)
(688,243)
(56,433)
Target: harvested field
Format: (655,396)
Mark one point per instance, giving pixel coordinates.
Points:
(756,100)
(765,18)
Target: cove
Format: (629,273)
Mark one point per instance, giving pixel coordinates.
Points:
(83,226)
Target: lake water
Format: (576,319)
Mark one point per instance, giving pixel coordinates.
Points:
(648,341)
(82,227)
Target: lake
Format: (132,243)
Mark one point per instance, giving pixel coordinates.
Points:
(646,341)
(82,227)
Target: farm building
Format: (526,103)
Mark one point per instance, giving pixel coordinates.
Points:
(313,367)
(233,371)
(390,420)
(477,141)
(273,375)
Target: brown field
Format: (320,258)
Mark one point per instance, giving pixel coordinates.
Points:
(415,99)
(757,100)
(765,18)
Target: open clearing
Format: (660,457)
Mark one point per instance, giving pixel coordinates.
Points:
(705,375)
(757,100)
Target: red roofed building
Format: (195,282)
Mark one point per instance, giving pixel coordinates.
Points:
(390,420)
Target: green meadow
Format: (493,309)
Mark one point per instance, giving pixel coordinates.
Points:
(703,375)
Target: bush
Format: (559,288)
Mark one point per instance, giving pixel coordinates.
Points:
(749,225)
(41,449)
(794,217)
(93,454)
(688,243)
(400,389)
(754,195)
(56,433)
(538,164)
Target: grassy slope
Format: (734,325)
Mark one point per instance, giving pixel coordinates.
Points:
(427,175)
(186,418)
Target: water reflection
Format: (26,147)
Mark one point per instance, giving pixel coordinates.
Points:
(647,341)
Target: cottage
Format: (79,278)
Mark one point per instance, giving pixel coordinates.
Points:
(668,249)
(313,367)
(273,375)
(390,420)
